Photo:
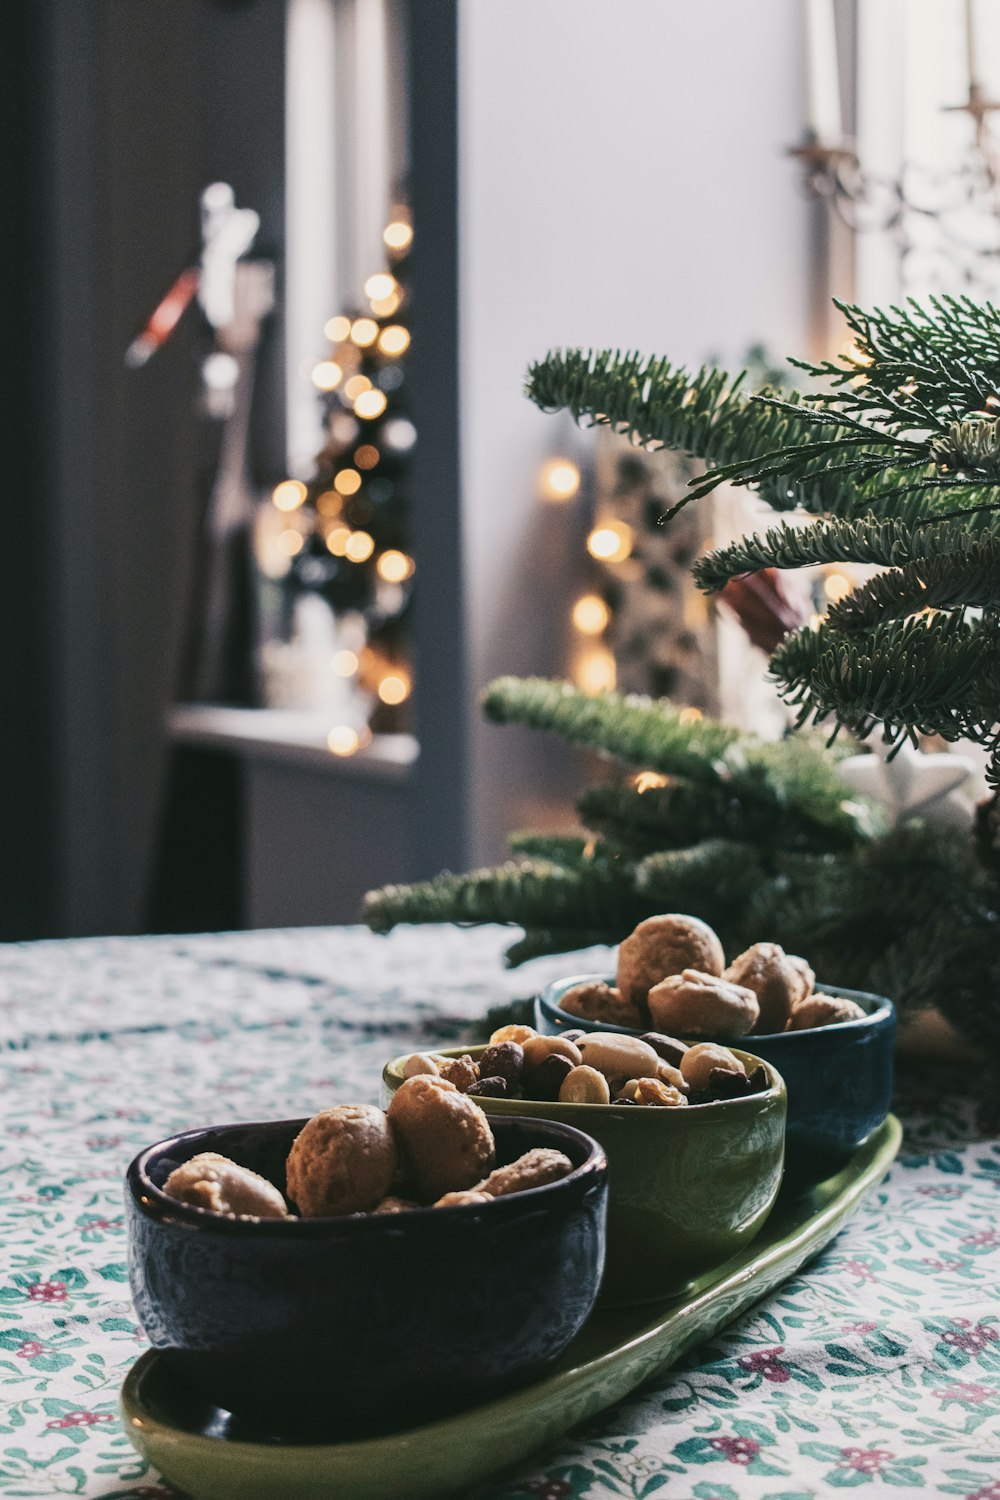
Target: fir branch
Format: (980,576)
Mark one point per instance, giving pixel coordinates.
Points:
(714,880)
(640,818)
(568,849)
(931,675)
(886,543)
(967,577)
(655,736)
(532,893)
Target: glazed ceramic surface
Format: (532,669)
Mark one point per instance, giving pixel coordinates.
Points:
(688,1186)
(363,1323)
(211,1457)
(839,1078)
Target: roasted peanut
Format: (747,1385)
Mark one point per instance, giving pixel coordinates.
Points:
(584,1085)
(697,1004)
(534,1169)
(699,1061)
(618,1056)
(420,1062)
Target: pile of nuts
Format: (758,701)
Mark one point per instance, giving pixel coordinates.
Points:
(591,1067)
(672,974)
(433,1147)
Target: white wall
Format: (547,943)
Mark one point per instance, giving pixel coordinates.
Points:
(622,182)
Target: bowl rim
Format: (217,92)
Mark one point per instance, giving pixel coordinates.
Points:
(884,1010)
(154,1204)
(776,1090)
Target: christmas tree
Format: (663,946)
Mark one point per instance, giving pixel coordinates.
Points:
(896,454)
(355,548)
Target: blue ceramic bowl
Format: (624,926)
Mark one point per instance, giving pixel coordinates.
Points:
(350,1326)
(839,1078)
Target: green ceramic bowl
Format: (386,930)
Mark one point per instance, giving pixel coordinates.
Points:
(688,1187)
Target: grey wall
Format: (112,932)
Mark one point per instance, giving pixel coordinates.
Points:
(622,182)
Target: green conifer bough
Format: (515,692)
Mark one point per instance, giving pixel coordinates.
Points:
(895,456)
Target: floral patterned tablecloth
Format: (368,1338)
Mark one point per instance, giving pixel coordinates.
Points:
(876,1370)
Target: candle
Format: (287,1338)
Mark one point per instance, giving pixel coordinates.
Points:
(970,46)
(822,73)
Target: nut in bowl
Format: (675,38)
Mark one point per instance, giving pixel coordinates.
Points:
(367,1321)
(690,1182)
(833,1047)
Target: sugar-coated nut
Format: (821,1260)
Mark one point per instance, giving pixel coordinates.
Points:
(214,1182)
(393,1205)
(618,1056)
(584,1085)
(488,1088)
(777,982)
(461,1071)
(667,1047)
(502,1060)
(596,1001)
(805,971)
(538,1048)
(344,1159)
(651,1091)
(699,1061)
(420,1062)
(460,1199)
(512,1033)
(545,1081)
(665,945)
(443,1134)
(534,1169)
(823,1010)
(698,1004)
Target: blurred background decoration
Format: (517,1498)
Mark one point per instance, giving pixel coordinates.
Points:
(258,576)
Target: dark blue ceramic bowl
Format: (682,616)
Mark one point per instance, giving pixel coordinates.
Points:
(351,1326)
(839,1078)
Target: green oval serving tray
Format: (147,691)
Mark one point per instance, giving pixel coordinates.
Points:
(205,1453)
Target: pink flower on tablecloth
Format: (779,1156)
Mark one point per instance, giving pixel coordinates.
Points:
(944,1263)
(738,1450)
(766,1362)
(975,1340)
(859,1269)
(984,1238)
(47,1291)
(961,1391)
(942,1190)
(859,1327)
(30,1349)
(988,1492)
(81,1419)
(864,1460)
(103,1142)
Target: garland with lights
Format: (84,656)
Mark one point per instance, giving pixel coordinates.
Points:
(759,839)
(348,532)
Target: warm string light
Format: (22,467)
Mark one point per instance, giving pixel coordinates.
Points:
(364,332)
(836,586)
(384,307)
(356,386)
(690,716)
(337,539)
(394,567)
(366,457)
(560,479)
(347,482)
(381,286)
(291,542)
(343,739)
(648,781)
(394,687)
(337,329)
(359,546)
(345,663)
(398,236)
(329,504)
(590,614)
(611,542)
(595,671)
(370,404)
(327,375)
(289,494)
(855,354)
(394,340)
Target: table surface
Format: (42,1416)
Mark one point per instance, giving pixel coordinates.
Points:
(877,1369)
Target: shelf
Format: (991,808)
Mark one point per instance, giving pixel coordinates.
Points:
(291,737)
